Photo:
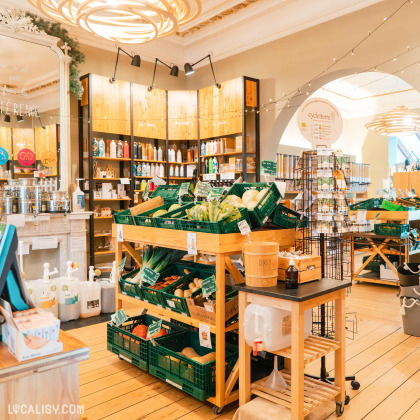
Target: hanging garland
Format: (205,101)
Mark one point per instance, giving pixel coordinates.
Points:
(55,29)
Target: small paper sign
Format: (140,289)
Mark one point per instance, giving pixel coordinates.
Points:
(244,227)
(192,243)
(209,177)
(268,167)
(215,193)
(125,181)
(146,191)
(202,189)
(121,264)
(120,236)
(149,276)
(185,186)
(361,216)
(209,286)
(119,317)
(227,175)
(158,181)
(154,328)
(204,334)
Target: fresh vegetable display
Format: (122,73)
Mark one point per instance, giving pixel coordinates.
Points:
(141,331)
(157,259)
(167,281)
(213,212)
(193,355)
(250,198)
(183,291)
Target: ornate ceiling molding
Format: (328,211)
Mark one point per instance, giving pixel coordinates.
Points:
(15,20)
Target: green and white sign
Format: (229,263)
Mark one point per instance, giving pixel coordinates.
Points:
(119,317)
(268,167)
(146,191)
(215,193)
(183,189)
(149,276)
(121,264)
(209,286)
(154,328)
(202,189)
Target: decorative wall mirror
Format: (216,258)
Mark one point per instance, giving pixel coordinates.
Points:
(34,102)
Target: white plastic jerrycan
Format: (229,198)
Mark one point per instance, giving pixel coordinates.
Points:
(269,328)
(45,292)
(108,292)
(90,296)
(68,294)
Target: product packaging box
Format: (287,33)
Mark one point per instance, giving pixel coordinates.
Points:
(309,268)
(106,190)
(121,191)
(206,311)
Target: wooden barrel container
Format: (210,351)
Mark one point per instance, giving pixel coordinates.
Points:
(261,263)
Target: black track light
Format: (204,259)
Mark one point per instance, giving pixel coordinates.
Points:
(19,118)
(135,61)
(6,117)
(189,69)
(174,72)
(40,121)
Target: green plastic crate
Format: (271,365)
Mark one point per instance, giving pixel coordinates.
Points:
(169,220)
(146,219)
(155,296)
(169,193)
(371,203)
(179,304)
(377,261)
(123,217)
(392,229)
(192,377)
(128,288)
(211,268)
(266,206)
(131,347)
(289,219)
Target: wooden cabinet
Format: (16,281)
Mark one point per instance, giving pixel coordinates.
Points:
(110,105)
(6,139)
(149,112)
(182,115)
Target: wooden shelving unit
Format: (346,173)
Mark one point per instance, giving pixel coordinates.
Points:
(221,246)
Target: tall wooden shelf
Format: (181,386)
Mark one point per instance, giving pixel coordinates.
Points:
(128,111)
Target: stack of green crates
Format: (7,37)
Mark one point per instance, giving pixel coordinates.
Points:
(377,261)
(131,347)
(169,193)
(123,217)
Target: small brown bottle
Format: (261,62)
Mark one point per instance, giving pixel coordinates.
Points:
(292,274)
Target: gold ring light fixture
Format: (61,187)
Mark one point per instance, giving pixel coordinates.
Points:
(122,21)
(399,120)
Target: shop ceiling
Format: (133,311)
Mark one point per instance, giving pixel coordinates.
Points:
(228,27)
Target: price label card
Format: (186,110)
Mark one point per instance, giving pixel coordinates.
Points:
(120,236)
(244,227)
(121,264)
(414,233)
(146,191)
(185,186)
(154,328)
(204,334)
(23,249)
(158,181)
(413,193)
(192,243)
(209,177)
(227,175)
(202,189)
(215,193)
(268,167)
(149,276)
(209,286)
(125,181)
(119,317)
(361,216)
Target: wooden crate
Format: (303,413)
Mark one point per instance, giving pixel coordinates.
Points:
(309,268)
(206,311)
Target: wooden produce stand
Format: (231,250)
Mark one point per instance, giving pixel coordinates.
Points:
(303,393)
(378,244)
(221,246)
(49,380)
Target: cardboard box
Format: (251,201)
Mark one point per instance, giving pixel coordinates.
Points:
(229,145)
(309,268)
(205,311)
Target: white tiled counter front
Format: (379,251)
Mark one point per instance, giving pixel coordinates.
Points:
(60,237)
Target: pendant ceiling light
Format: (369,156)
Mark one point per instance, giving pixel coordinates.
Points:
(399,120)
(122,21)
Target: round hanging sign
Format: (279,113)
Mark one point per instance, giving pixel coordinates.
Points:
(26,157)
(4,156)
(49,158)
(320,122)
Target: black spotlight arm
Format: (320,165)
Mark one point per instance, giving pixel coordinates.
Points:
(150,88)
(112,80)
(218,85)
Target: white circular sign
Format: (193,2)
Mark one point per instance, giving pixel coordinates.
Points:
(320,122)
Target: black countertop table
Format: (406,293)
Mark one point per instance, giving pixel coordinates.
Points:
(304,292)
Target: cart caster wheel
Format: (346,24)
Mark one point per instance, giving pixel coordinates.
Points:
(355,385)
(339,409)
(347,400)
(217,410)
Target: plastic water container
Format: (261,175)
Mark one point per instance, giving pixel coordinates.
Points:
(68,298)
(90,296)
(30,285)
(107,296)
(45,296)
(271,328)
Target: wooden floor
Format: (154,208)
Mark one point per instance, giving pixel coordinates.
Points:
(385,361)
